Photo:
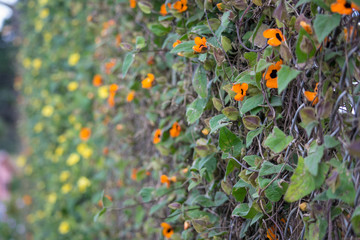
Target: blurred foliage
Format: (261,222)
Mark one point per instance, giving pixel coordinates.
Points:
(188,124)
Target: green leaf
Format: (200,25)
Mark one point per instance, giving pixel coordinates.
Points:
(285,76)
(252,103)
(129,59)
(228,141)
(324,24)
(226,43)
(251,135)
(140,42)
(200,82)
(344,187)
(224,24)
(301,183)
(267,168)
(159,30)
(277,141)
(239,193)
(203,201)
(317,230)
(355,221)
(195,110)
(300,54)
(246,77)
(251,57)
(262,65)
(357,2)
(251,122)
(273,192)
(220,198)
(244,210)
(183,47)
(146,194)
(99,214)
(218,122)
(145,7)
(313,159)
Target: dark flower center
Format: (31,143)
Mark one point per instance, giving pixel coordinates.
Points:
(273,73)
(242,92)
(347,5)
(278,37)
(168,230)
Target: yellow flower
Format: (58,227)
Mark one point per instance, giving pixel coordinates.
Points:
(21,161)
(39,25)
(64,227)
(27,63)
(72,119)
(72,86)
(83,183)
(52,198)
(103,92)
(38,127)
(74,59)
(47,111)
(59,151)
(40,214)
(66,188)
(84,150)
(47,37)
(37,63)
(73,159)
(43,2)
(61,138)
(44,13)
(64,175)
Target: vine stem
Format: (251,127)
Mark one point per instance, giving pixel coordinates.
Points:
(238,32)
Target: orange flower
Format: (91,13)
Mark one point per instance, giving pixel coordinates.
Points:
(118,40)
(147,82)
(344,7)
(167,231)
(105,151)
(163,10)
(132,3)
(270,233)
(240,89)
(157,136)
(130,96)
(307,27)
(113,88)
(27,199)
(134,174)
(275,36)
(150,61)
(176,43)
(312,96)
(167,180)
(205,131)
(187,225)
(271,75)
(97,80)
(100,203)
(200,46)
(175,130)
(220,6)
(353,33)
(109,66)
(85,134)
(180,6)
